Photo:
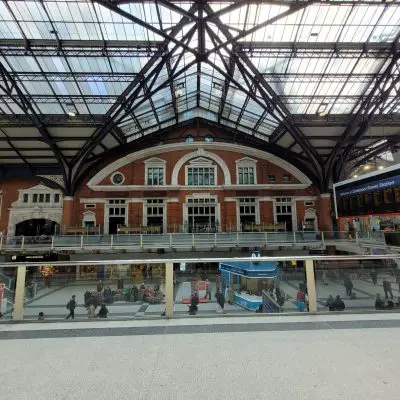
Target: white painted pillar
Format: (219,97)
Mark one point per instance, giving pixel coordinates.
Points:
(311,289)
(169,289)
(18,312)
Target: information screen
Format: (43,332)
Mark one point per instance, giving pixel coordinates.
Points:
(378,194)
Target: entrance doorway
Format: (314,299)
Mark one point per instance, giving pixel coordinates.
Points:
(116,215)
(284,209)
(154,213)
(36,227)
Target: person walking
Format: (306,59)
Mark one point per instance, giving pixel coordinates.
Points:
(374,276)
(387,288)
(71,307)
(348,284)
(220,300)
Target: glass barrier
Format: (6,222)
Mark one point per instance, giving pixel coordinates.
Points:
(242,286)
(357,284)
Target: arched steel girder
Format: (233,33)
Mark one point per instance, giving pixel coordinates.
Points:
(98,162)
(269,100)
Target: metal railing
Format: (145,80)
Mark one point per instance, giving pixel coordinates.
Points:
(171,241)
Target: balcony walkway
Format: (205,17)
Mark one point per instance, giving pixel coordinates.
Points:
(182,241)
(326,357)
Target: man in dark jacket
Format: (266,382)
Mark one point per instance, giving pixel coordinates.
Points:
(338,304)
(220,299)
(379,303)
(71,307)
(387,287)
(193,304)
(348,284)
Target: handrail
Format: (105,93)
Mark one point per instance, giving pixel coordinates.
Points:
(199,260)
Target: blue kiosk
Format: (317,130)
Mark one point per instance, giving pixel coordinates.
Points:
(240,273)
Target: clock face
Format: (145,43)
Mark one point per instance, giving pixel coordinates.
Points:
(117,178)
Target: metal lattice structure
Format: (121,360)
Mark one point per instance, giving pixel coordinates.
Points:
(317,82)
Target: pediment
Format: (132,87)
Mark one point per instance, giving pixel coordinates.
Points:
(246,160)
(154,160)
(200,160)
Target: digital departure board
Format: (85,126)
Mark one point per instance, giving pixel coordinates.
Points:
(375,193)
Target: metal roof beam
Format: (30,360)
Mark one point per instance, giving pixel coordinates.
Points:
(9,86)
(372,103)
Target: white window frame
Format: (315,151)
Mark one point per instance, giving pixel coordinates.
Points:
(246,162)
(239,203)
(201,162)
(213,200)
(155,163)
(163,204)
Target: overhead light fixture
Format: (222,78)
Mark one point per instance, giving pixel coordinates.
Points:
(71,113)
(367,167)
(381,167)
(322,109)
(355,176)
(314,34)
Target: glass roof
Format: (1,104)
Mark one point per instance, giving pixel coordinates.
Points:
(150,65)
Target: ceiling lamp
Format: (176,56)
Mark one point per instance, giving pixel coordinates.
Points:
(355,176)
(381,167)
(71,113)
(367,167)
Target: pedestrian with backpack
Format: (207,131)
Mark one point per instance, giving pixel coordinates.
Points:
(71,307)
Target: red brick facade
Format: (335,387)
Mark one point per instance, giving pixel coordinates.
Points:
(92,199)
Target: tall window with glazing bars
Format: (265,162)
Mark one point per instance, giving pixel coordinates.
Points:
(246,175)
(155,176)
(201,176)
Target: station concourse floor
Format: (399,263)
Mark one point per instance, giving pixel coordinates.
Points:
(282,357)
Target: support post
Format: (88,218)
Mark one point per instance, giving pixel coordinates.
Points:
(312,295)
(112,241)
(215,240)
(141,241)
(169,290)
(52,242)
(18,311)
(81,241)
(322,237)
(294,237)
(1,242)
(170,240)
(23,242)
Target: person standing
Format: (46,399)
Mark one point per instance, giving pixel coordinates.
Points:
(91,311)
(374,276)
(387,288)
(208,289)
(71,307)
(324,278)
(231,294)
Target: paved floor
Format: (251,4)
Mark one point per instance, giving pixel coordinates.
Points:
(304,357)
